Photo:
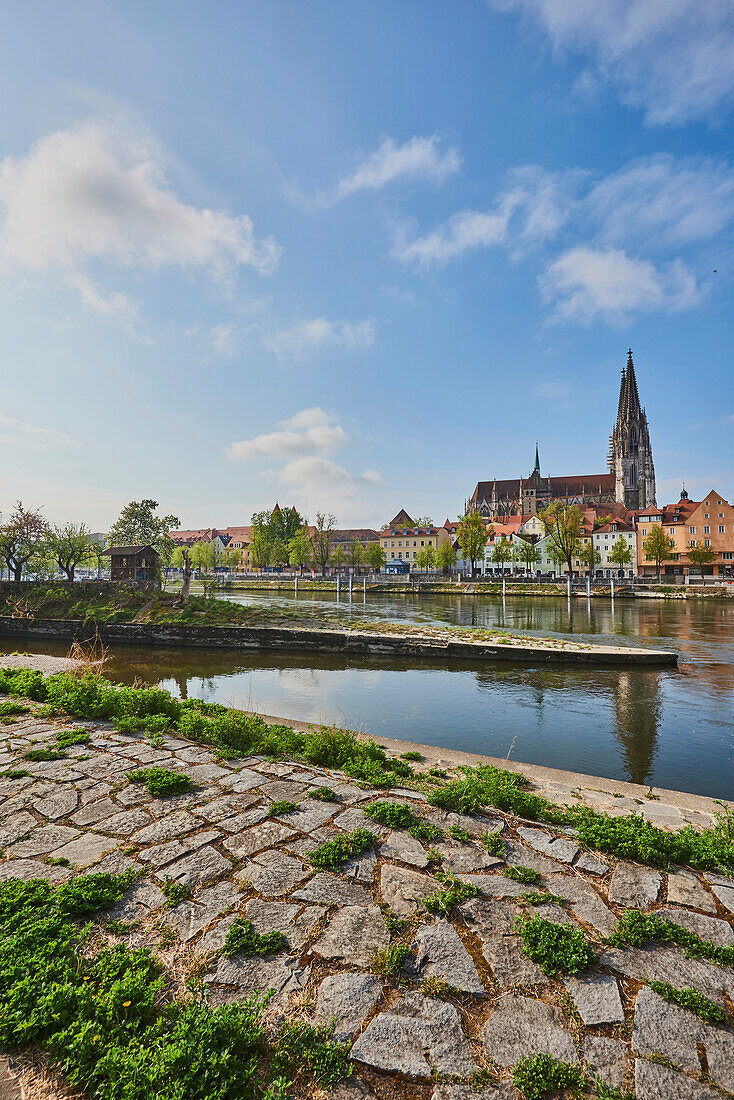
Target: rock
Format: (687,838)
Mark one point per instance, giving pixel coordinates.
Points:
(138,901)
(348,999)
(361,868)
(654,1082)
(466,860)
(257,838)
(353,818)
(634,887)
(584,901)
(226,806)
(191,916)
(243,780)
(161,854)
(296,926)
(273,873)
(723,888)
(719,1045)
(238,822)
(353,934)
(521,1027)
(596,997)
(42,839)
(607,1059)
(100,810)
(591,864)
(10,1088)
(504,1091)
(555,847)
(13,828)
(519,855)
(417,1037)
(309,816)
(494,923)
(168,828)
(124,823)
(32,868)
(665,964)
(61,802)
(708,928)
(280,973)
(685,889)
(404,890)
(86,850)
(496,886)
(331,890)
(350,1089)
(664,1028)
(441,954)
(404,847)
(200,867)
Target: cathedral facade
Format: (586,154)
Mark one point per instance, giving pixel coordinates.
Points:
(628,484)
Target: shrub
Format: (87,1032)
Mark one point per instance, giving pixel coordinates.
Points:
(308,1050)
(161,782)
(332,853)
(395,925)
(8,709)
(426,830)
(536,1077)
(555,947)
(458,832)
(242,939)
(44,754)
(412,755)
(14,773)
(66,738)
(453,893)
(532,897)
(692,1000)
(526,875)
(396,815)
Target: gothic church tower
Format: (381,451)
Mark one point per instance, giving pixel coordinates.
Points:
(630,452)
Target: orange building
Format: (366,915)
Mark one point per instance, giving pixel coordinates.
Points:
(708,522)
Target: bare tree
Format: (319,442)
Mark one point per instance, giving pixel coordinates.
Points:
(23,536)
(325,527)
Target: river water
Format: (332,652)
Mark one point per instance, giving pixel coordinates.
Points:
(665,727)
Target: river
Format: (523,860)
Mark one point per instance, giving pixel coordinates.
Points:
(668,728)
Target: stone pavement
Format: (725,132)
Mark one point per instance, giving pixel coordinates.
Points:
(466,998)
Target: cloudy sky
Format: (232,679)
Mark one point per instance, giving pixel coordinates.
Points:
(358,256)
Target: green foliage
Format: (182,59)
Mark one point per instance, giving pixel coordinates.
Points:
(396,815)
(425,830)
(395,925)
(555,947)
(412,755)
(494,844)
(14,773)
(308,1051)
(323,794)
(387,961)
(282,806)
(453,893)
(526,875)
(161,782)
(8,709)
(532,897)
(175,891)
(458,832)
(242,939)
(636,928)
(692,1000)
(44,754)
(332,853)
(536,1077)
(605,1092)
(66,738)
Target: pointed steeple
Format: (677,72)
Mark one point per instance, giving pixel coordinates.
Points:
(633,398)
(536,468)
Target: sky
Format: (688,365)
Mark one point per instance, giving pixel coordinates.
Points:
(358,256)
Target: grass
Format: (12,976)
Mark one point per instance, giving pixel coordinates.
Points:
(66,738)
(453,893)
(38,755)
(395,925)
(458,832)
(395,815)
(556,948)
(332,853)
(282,806)
(526,875)
(161,782)
(242,939)
(494,844)
(388,960)
(323,794)
(636,928)
(9,709)
(536,1077)
(412,755)
(109,1024)
(175,891)
(690,999)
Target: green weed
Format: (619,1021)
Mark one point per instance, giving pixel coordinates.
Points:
(388,960)
(395,925)
(543,897)
(458,832)
(692,1000)
(453,893)
(175,891)
(494,844)
(282,806)
(242,939)
(323,794)
(426,830)
(15,773)
(412,755)
(636,928)
(161,782)
(536,1077)
(556,948)
(44,754)
(8,709)
(395,815)
(332,853)
(526,875)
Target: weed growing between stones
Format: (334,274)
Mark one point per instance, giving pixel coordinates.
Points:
(107,1023)
(9,710)
(161,782)
(426,830)
(535,898)
(175,891)
(395,925)
(556,948)
(526,875)
(453,893)
(38,755)
(412,755)
(605,1092)
(242,939)
(437,987)
(388,960)
(332,853)
(494,844)
(458,832)
(282,806)
(690,999)
(323,794)
(66,738)
(395,815)
(536,1077)
(636,928)
(15,773)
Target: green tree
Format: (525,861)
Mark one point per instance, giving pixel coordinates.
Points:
(22,538)
(338,557)
(230,558)
(356,554)
(283,524)
(69,545)
(620,553)
(261,542)
(446,556)
(472,537)
(424,521)
(502,552)
(657,546)
(590,556)
(322,539)
(526,554)
(375,556)
(699,554)
(279,552)
(177,558)
(138,524)
(202,556)
(562,525)
(300,550)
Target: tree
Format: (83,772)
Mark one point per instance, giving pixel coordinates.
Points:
(426,558)
(590,556)
(562,525)
(186,579)
(70,546)
(325,527)
(22,537)
(424,521)
(620,553)
(338,557)
(283,524)
(658,546)
(446,556)
(699,554)
(230,558)
(472,537)
(526,554)
(279,552)
(356,554)
(138,525)
(502,552)
(300,550)
(375,556)
(202,555)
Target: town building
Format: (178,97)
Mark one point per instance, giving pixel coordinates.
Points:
(138,564)
(605,538)
(630,480)
(403,540)
(708,522)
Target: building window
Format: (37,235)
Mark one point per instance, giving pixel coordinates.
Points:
(644,530)
(671,530)
(727,555)
(722,529)
(691,530)
(705,515)
(707,530)
(707,542)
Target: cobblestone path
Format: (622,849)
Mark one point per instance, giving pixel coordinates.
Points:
(466,998)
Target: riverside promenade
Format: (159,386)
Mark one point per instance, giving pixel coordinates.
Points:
(462,1002)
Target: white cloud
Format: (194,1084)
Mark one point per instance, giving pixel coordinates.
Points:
(322,473)
(672,58)
(113,307)
(309,432)
(554,391)
(586,283)
(309,336)
(98,192)
(225,339)
(463,232)
(20,434)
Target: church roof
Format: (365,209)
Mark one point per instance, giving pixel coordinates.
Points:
(572,485)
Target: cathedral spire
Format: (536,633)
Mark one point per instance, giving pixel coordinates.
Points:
(536,468)
(630,455)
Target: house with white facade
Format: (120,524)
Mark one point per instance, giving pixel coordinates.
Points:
(605,538)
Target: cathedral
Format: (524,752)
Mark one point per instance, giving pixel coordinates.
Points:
(629,484)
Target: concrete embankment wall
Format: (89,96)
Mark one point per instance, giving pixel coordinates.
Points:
(293,639)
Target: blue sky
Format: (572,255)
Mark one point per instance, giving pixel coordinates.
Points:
(358,256)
